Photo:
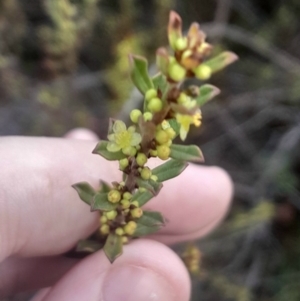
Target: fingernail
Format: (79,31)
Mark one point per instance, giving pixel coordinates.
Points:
(132,283)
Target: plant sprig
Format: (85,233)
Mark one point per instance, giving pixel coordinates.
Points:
(169,110)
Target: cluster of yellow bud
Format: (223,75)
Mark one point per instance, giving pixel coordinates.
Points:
(163,139)
(175,71)
(153,102)
(121,220)
(190,52)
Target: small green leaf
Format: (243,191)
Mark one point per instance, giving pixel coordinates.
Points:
(139,73)
(85,191)
(151,218)
(162,60)
(89,246)
(101,202)
(113,247)
(101,150)
(160,83)
(169,170)
(174,125)
(142,197)
(152,186)
(206,93)
(142,230)
(221,61)
(186,153)
(104,186)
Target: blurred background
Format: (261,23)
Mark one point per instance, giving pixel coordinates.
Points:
(64,64)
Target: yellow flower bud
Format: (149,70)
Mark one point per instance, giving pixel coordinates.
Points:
(103,219)
(119,231)
(181,44)
(135,203)
(153,153)
(203,72)
(176,72)
(104,229)
(141,159)
(169,143)
(171,133)
(142,189)
(146,173)
(123,163)
(182,98)
(127,195)
(131,129)
(164,125)
(154,178)
(150,94)
(114,196)
(129,151)
(111,214)
(124,240)
(136,212)
(148,116)
(135,115)
(161,137)
(163,152)
(155,105)
(125,204)
(130,227)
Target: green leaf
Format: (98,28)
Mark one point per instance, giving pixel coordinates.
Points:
(160,83)
(186,153)
(174,125)
(113,247)
(89,246)
(101,150)
(85,191)
(221,61)
(142,230)
(139,73)
(151,218)
(104,186)
(162,60)
(169,170)
(152,186)
(101,202)
(206,93)
(142,197)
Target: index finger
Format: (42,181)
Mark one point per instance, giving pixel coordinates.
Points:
(41,214)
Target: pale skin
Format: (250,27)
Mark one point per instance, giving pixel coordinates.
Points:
(42,217)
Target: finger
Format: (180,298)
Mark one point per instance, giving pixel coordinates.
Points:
(30,274)
(146,271)
(41,294)
(41,214)
(193,203)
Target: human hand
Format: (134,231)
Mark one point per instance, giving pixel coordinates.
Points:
(41,217)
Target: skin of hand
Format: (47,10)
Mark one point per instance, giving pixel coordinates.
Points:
(42,217)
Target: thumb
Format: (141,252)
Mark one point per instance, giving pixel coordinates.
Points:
(147,270)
